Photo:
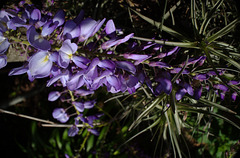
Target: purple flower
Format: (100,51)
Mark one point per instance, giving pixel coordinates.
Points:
(88,27)
(201,77)
(110,28)
(180,93)
(40,64)
(138,57)
(234,96)
(79,106)
(73,131)
(83,92)
(116,41)
(198,93)
(3,61)
(59,18)
(35,16)
(19,70)
(76,81)
(48,28)
(66,53)
(52,96)
(126,65)
(71,29)
(165,84)
(60,114)
(93,131)
(36,40)
(89,104)
(159,64)
(4,44)
(16,22)
(64,77)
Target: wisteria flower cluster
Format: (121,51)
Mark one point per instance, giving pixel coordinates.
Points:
(80,56)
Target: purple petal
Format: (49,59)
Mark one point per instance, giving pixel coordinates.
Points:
(175,49)
(80,61)
(177,70)
(166,85)
(92,72)
(48,28)
(3,61)
(16,22)
(189,88)
(73,131)
(132,81)
(68,47)
(76,81)
(198,93)
(87,27)
(60,115)
(126,65)
(107,64)
(35,16)
(89,104)
(59,17)
(109,43)
(98,26)
(110,27)
(4,44)
(71,30)
(83,92)
(201,77)
(40,65)
(19,71)
(180,93)
(79,106)
(114,81)
(36,40)
(221,87)
(234,96)
(93,131)
(159,64)
(54,95)
(79,18)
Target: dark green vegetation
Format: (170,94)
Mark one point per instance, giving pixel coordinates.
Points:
(141,125)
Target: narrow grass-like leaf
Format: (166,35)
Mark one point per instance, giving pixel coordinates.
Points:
(144,130)
(225,57)
(208,17)
(148,110)
(209,103)
(170,43)
(184,108)
(164,28)
(172,133)
(193,16)
(223,31)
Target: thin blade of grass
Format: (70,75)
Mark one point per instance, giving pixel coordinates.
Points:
(170,43)
(182,108)
(209,103)
(164,28)
(223,31)
(148,110)
(208,16)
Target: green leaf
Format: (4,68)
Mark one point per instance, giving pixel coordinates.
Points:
(90,143)
(223,31)
(164,28)
(208,17)
(148,110)
(209,103)
(170,43)
(189,109)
